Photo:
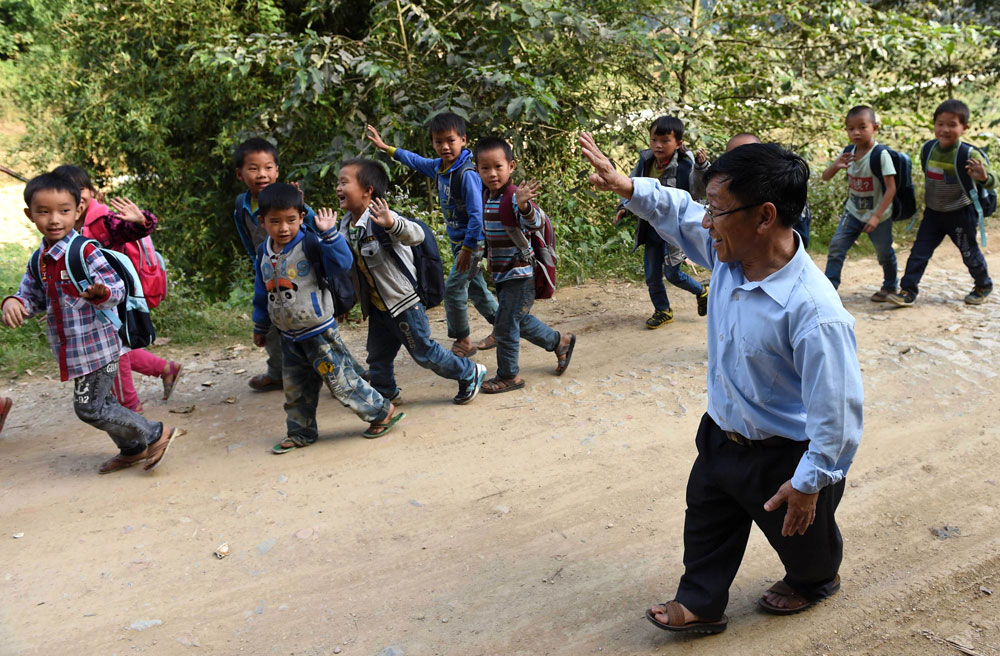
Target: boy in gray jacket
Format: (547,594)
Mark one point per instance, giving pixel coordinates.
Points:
(290,292)
(396,317)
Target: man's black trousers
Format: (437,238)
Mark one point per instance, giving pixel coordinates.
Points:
(726,491)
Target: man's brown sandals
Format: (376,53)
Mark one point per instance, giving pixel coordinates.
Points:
(796,601)
(675,620)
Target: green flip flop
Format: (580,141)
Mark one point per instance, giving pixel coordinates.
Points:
(384,428)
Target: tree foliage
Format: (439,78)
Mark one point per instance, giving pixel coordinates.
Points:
(170,86)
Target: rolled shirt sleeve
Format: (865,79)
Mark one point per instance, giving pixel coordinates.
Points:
(832,392)
(675,216)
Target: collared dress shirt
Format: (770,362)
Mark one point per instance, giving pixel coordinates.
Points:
(782,355)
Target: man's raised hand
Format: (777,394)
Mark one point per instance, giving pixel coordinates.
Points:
(604,177)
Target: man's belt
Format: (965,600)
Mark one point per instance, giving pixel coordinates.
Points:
(766,443)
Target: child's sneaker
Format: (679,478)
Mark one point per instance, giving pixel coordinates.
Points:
(978,295)
(882,295)
(660,318)
(703,301)
(902,299)
(469,389)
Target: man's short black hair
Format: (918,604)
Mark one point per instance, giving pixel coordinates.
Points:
(667,125)
(76,174)
(280,196)
(765,173)
(371,175)
(255,145)
(956,107)
(446,121)
(493,142)
(50,182)
(858,110)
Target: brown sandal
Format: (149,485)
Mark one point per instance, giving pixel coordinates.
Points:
(497,385)
(463,352)
(158,449)
(121,461)
(800,602)
(563,355)
(675,620)
(487,343)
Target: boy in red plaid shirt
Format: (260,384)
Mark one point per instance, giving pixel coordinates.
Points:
(86,347)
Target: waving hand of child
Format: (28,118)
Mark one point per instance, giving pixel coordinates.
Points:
(381,216)
(325,219)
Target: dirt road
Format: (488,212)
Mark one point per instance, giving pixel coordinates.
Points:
(542,521)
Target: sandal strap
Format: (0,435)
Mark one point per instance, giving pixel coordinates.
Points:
(675,613)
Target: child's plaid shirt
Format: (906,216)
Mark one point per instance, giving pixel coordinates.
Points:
(81,340)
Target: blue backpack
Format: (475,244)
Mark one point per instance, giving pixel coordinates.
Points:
(337,282)
(426,260)
(983,200)
(904,203)
(131,316)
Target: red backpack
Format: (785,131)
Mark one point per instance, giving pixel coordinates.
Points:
(543,243)
(147,262)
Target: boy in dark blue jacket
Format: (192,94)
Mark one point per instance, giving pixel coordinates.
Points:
(257,167)
(460,192)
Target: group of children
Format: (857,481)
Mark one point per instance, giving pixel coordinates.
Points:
(297,254)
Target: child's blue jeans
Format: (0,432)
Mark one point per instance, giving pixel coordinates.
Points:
(316,360)
(960,225)
(847,233)
(410,329)
(656,267)
(514,321)
(458,289)
(274,350)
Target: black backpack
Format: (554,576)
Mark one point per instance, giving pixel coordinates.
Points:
(337,282)
(904,203)
(131,315)
(426,260)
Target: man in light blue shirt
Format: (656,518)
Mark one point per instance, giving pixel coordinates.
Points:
(784,385)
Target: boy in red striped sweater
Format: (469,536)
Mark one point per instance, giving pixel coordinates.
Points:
(508,214)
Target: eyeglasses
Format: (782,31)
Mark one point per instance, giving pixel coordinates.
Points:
(714,215)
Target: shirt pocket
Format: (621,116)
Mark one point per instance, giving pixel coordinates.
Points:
(757,371)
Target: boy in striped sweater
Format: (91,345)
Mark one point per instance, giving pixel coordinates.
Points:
(508,214)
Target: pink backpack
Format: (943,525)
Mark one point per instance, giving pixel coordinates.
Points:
(147,262)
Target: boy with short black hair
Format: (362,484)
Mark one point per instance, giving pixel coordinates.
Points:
(463,215)
(869,200)
(385,280)
(508,215)
(256,162)
(289,293)
(85,345)
(668,161)
(949,208)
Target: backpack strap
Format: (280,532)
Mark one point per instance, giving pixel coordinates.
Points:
(685,169)
(79,274)
(875,163)
(460,171)
(34,265)
(969,186)
(385,242)
(925,153)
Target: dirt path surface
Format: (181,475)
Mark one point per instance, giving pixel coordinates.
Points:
(542,521)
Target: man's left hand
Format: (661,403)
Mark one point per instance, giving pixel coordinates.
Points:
(801,508)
